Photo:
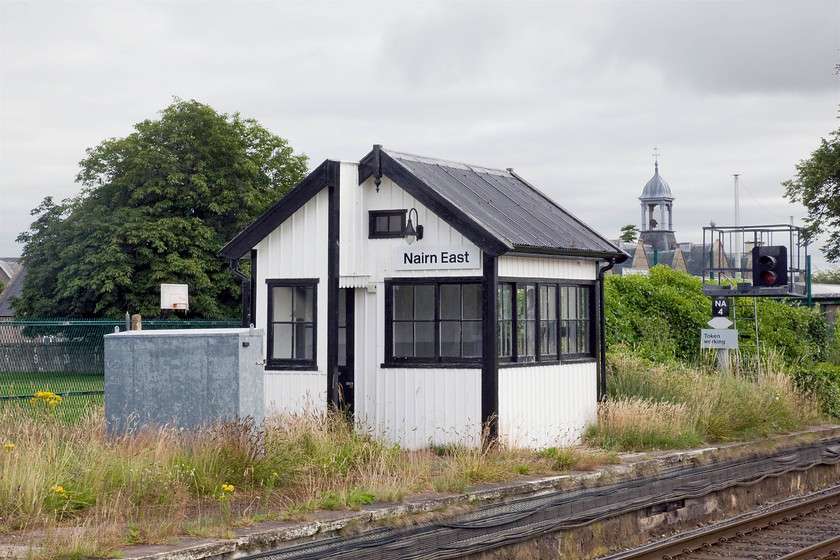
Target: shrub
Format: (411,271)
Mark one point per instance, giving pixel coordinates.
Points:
(659,317)
(820,381)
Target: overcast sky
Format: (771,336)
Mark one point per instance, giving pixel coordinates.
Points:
(573,95)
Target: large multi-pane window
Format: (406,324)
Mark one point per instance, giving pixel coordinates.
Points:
(292,324)
(543,321)
(433,321)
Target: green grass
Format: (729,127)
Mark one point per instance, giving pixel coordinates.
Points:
(672,405)
(72,410)
(27,383)
(152,485)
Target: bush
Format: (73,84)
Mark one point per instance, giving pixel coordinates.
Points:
(821,382)
(659,317)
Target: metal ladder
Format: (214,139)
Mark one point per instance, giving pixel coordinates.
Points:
(745,321)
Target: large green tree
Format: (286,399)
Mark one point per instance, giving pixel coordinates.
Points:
(817,186)
(155,207)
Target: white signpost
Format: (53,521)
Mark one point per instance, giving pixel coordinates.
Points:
(720,323)
(721,338)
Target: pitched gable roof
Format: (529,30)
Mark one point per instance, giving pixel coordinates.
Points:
(497,210)
(325,175)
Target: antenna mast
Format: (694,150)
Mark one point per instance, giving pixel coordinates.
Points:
(738,240)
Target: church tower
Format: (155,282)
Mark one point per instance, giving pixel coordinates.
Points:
(657,223)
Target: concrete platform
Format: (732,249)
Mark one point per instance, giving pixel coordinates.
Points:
(648,470)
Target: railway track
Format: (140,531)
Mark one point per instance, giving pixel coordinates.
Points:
(803,529)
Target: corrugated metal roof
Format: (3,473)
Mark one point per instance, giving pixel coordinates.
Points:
(506,207)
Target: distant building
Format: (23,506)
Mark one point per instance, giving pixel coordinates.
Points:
(657,214)
(657,242)
(11,275)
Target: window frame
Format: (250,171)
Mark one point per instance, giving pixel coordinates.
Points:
(559,355)
(438,360)
(272,363)
(373,233)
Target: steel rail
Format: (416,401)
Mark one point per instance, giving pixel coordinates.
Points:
(692,542)
(829,548)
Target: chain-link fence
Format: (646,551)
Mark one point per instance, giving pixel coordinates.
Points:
(65,356)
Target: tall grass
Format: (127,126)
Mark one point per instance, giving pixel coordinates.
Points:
(150,485)
(672,405)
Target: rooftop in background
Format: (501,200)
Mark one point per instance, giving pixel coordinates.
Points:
(13,288)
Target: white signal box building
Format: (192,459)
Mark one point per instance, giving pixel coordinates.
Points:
(438,301)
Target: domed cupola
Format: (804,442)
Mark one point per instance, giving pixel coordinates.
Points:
(656,229)
(657,188)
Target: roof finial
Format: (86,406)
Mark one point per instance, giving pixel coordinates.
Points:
(655,157)
(377,165)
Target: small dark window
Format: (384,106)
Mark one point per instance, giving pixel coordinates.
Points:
(292,323)
(386,223)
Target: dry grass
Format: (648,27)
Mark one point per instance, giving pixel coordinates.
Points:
(87,494)
(668,406)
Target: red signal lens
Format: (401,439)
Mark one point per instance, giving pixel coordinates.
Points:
(768,278)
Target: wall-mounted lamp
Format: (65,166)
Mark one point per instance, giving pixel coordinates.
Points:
(411,234)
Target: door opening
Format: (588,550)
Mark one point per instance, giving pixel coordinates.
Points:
(346,344)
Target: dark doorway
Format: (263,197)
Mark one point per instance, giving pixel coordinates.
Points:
(346,343)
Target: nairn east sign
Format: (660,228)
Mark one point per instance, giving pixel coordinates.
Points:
(437,258)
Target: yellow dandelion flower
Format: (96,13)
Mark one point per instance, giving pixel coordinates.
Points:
(8,447)
(227,488)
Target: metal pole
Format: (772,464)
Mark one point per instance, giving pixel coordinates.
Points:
(738,240)
(808,279)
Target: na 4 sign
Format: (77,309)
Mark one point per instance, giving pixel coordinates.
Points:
(720,306)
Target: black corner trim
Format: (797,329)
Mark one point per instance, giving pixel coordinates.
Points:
(280,210)
(489,350)
(333,173)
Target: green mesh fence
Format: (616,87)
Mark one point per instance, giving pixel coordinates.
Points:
(65,356)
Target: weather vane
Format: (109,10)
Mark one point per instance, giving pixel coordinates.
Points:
(655,153)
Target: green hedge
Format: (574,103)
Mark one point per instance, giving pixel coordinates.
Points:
(659,316)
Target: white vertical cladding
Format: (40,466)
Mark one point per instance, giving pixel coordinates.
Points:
(416,407)
(373,257)
(544,267)
(353,227)
(413,407)
(547,406)
(297,249)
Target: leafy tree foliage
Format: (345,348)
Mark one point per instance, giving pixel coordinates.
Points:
(817,186)
(156,207)
(659,317)
(828,276)
(629,233)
